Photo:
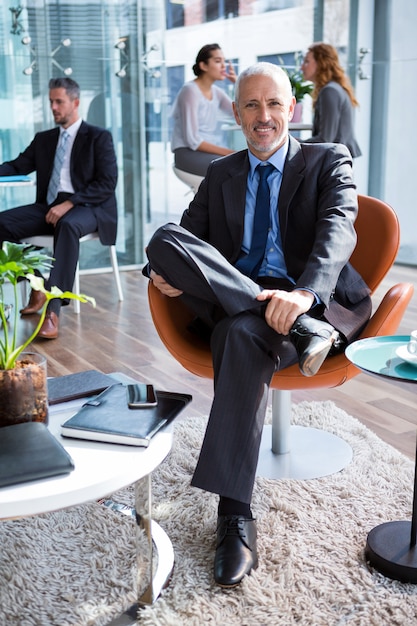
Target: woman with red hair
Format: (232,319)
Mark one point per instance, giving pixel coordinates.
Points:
(333,97)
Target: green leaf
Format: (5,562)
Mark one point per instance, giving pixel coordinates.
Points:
(300,87)
(20,261)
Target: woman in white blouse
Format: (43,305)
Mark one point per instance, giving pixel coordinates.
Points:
(196,138)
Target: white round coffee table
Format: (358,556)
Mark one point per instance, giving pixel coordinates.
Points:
(101,469)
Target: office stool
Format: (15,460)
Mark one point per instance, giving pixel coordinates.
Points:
(192,180)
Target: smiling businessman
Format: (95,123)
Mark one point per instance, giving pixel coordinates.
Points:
(261,256)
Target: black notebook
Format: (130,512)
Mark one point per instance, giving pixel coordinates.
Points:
(29,451)
(79,385)
(108,418)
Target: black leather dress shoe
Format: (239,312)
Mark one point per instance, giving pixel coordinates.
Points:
(313,340)
(236,552)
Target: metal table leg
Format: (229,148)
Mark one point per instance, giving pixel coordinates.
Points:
(391,547)
(161,564)
(154,557)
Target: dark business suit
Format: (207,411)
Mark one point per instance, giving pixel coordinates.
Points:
(317,208)
(93,171)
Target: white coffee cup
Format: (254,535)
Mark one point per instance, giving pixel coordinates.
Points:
(412,344)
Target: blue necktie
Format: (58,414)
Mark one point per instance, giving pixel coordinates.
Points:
(56,172)
(251,263)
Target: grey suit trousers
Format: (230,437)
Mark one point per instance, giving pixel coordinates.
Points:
(245,350)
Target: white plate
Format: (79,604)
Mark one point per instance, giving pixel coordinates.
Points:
(404,354)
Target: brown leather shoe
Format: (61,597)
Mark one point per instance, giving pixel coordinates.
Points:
(49,328)
(36,301)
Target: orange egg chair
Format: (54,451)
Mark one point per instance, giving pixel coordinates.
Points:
(298,451)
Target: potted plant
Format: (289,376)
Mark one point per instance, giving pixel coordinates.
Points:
(300,87)
(23,388)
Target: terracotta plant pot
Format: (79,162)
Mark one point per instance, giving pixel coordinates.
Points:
(24,391)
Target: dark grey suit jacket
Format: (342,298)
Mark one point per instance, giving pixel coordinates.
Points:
(333,118)
(317,209)
(93,172)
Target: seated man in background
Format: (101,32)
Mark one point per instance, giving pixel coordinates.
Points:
(76,176)
(262,257)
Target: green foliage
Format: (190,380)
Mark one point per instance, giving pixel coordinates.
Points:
(20,261)
(300,87)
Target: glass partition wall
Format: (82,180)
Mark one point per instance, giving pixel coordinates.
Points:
(102,45)
(131,57)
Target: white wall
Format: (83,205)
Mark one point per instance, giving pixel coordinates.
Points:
(400,176)
(363,92)
(245,38)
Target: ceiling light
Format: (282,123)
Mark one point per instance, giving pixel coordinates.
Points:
(28,71)
(121,44)
(122,72)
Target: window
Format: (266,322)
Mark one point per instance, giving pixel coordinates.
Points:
(216,9)
(174,13)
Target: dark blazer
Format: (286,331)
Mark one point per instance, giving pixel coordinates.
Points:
(317,209)
(93,172)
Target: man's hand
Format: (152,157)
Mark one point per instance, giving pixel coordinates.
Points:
(57,211)
(163,286)
(284,307)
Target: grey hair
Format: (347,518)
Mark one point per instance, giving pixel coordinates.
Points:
(71,87)
(264,69)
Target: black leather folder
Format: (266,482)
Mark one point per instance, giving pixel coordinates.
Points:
(107,417)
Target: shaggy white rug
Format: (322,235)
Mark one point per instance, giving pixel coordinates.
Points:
(76,567)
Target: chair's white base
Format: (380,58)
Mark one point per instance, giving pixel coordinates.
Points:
(313,453)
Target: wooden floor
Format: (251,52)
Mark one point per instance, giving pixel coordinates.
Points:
(120,337)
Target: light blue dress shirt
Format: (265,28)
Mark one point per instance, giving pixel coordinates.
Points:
(273,263)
